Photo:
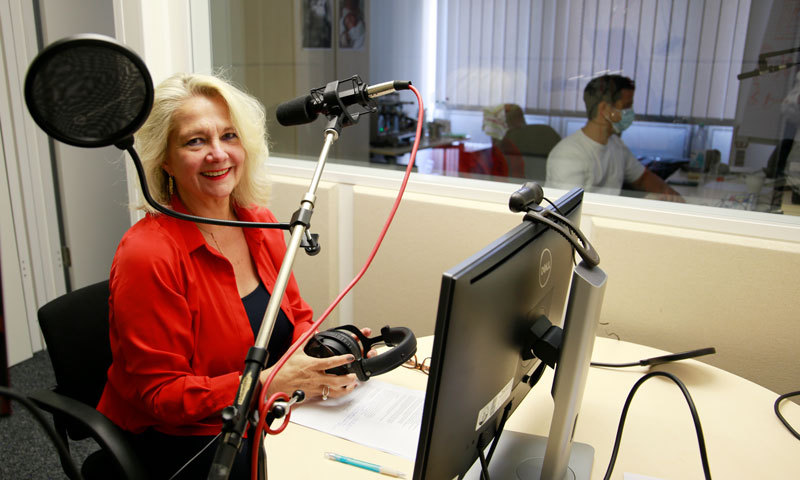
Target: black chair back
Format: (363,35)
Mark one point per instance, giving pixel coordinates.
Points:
(75,329)
(534,139)
(534,142)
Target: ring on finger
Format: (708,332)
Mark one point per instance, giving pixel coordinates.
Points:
(325,391)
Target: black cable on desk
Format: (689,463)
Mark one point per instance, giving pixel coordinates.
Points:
(780,415)
(698,428)
(672,357)
(615,365)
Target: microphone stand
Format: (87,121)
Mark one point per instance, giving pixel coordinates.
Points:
(237,416)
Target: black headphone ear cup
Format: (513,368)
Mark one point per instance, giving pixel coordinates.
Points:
(353,348)
(315,348)
(340,343)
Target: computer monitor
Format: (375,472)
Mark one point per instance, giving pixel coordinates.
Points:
(478,376)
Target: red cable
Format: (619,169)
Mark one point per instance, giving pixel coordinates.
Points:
(265,407)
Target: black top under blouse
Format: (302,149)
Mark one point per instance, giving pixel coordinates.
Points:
(255,304)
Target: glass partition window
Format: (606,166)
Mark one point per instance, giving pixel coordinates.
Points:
(715,95)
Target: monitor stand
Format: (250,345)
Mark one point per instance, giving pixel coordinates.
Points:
(520,456)
(557,457)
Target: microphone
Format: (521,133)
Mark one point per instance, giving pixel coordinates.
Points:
(761,71)
(530,194)
(330,101)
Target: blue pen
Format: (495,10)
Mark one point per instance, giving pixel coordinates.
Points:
(365,465)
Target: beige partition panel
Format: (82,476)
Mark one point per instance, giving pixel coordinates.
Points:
(671,288)
(678,289)
(430,234)
(317,275)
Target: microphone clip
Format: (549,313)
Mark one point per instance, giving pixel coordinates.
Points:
(528,198)
(343,101)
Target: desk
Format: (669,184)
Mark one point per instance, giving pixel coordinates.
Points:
(403,149)
(727,191)
(788,207)
(743,437)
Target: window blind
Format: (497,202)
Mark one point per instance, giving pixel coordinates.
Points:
(683,54)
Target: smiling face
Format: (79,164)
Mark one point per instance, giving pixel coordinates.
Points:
(204,154)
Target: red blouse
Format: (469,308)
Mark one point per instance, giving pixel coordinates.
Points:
(179,332)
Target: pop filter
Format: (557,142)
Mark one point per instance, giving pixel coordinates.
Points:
(89,90)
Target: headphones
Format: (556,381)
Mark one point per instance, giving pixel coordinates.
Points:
(340,341)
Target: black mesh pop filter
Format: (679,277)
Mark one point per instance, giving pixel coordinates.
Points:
(88,90)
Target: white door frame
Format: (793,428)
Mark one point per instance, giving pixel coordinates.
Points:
(26,165)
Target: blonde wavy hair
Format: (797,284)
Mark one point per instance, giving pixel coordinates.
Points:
(249,120)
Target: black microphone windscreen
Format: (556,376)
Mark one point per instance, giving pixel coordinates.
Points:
(530,194)
(753,73)
(296,112)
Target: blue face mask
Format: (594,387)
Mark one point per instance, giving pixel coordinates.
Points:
(625,121)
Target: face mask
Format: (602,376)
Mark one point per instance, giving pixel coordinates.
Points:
(625,121)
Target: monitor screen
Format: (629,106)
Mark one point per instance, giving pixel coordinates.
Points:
(477,373)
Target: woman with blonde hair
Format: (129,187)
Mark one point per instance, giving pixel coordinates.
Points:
(187,299)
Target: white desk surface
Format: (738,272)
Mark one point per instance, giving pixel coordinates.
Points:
(728,191)
(744,438)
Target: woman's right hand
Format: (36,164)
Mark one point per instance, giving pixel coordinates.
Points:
(303,372)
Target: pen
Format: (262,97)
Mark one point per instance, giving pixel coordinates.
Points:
(365,465)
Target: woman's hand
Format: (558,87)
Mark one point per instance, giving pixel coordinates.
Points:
(303,372)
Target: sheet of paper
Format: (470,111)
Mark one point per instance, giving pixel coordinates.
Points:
(377,414)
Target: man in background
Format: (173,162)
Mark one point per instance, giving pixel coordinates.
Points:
(595,157)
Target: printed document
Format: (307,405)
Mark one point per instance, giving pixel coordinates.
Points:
(377,414)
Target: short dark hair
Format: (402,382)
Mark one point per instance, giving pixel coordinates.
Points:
(607,88)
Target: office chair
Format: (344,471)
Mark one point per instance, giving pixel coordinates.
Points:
(75,329)
(776,169)
(534,143)
(777,160)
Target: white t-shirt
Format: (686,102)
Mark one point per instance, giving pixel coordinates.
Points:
(579,161)
(790,107)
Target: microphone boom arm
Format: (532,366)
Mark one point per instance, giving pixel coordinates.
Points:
(764,68)
(237,416)
(309,240)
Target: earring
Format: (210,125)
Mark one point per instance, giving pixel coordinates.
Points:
(171,184)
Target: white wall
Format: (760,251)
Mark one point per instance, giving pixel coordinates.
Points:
(30,252)
(18,343)
(94,196)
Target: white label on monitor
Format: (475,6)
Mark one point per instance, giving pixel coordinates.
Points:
(494,404)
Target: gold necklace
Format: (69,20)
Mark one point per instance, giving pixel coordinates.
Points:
(213,238)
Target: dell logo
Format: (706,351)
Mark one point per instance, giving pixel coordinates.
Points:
(545,265)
